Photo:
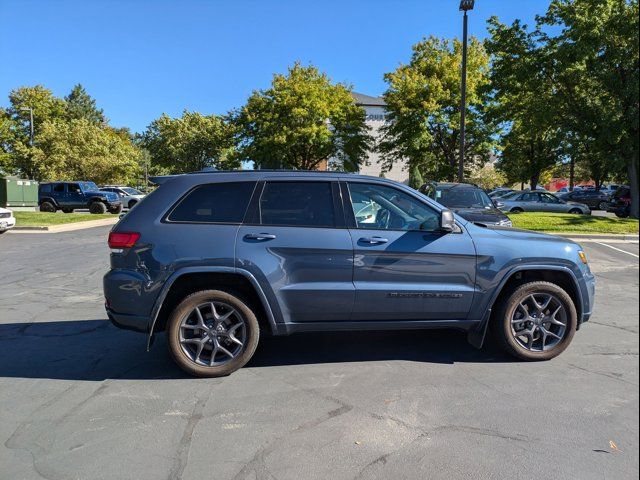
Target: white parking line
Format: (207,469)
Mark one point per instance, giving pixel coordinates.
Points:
(617,249)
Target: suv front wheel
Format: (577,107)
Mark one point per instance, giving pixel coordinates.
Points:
(212,333)
(536,322)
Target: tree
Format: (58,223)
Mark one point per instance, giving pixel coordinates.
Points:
(79,104)
(302,121)
(81,150)
(523,101)
(423,103)
(597,63)
(488,177)
(190,143)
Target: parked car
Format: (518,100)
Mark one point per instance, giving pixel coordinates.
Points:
(218,259)
(620,202)
(499,192)
(568,190)
(128,196)
(67,196)
(470,202)
(7,220)
(594,199)
(541,202)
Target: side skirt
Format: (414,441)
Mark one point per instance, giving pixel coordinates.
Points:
(466,325)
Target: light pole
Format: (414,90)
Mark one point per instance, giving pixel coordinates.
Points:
(465,6)
(30,110)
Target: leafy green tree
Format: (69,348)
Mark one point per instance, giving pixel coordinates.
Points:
(79,104)
(190,143)
(523,101)
(44,104)
(81,150)
(7,139)
(415,177)
(597,66)
(423,103)
(488,177)
(302,121)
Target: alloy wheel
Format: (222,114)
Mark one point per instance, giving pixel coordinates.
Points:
(212,334)
(539,322)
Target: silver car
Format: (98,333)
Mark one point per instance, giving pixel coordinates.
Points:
(540,202)
(128,196)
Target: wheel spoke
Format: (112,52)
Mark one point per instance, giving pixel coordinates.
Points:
(214,350)
(224,350)
(200,318)
(553,318)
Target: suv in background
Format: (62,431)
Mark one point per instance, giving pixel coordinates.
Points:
(620,203)
(218,259)
(594,199)
(469,201)
(128,196)
(67,196)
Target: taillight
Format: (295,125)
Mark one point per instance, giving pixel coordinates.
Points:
(123,239)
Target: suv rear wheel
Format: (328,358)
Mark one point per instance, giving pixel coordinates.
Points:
(97,208)
(212,333)
(536,322)
(47,206)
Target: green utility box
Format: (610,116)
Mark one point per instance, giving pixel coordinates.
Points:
(18,192)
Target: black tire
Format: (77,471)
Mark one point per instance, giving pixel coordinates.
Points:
(622,214)
(48,207)
(3,231)
(516,210)
(67,210)
(97,208)
(117,210)
(186,308)
(132,204)
(505,334)
(575,211)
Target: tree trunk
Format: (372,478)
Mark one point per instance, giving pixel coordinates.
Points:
(534,181)
(632,171)
(572,173)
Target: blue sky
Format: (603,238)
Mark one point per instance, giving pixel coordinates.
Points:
(140,58)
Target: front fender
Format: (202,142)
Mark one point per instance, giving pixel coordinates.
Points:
(186,270)
(477,335)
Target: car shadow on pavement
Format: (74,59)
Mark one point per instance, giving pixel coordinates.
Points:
(95,350)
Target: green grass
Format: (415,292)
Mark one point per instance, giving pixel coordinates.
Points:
(44,219)
(565,223)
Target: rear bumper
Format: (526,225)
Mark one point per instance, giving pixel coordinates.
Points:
(128,322)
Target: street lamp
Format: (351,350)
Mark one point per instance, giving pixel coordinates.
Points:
(465,6)
(30,110)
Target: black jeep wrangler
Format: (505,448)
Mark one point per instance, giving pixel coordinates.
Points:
(67,196)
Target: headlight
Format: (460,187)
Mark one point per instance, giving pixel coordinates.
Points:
(505,223)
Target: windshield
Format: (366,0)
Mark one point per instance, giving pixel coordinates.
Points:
(88,186)
(463,198)
(131,191)
(510,196)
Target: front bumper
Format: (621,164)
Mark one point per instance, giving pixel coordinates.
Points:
(588,297)
(7,223)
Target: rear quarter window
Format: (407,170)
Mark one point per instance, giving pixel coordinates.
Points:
(213,203)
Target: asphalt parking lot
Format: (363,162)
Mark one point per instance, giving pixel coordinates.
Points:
(80,399)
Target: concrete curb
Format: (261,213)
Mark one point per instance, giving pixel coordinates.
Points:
(586,236)
(67,227)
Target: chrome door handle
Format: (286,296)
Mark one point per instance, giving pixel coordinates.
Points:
(259,236)
(374,240)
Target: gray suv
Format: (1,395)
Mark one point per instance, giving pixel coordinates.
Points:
(219,259)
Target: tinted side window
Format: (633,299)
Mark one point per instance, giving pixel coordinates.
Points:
(214,203)
(300,204)
(45,188)
(58,187)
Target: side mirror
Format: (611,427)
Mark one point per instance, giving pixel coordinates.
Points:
(498,204)
(447,221)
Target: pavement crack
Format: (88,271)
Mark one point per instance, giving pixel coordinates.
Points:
(603,374)
(184,446)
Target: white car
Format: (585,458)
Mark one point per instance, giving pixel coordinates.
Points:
(7,220)
(128,196)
